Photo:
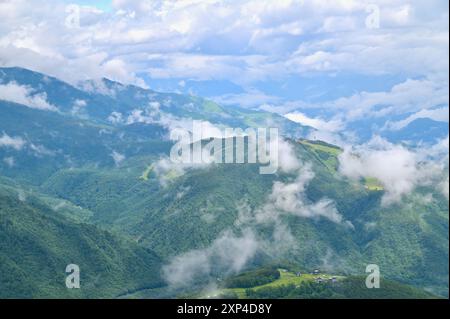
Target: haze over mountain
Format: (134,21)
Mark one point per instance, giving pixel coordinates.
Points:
(93,161)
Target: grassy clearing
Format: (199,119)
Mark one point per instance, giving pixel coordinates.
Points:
(146,173)
(286,278)
(325,153)
(211,107)
(327,148)
(373,184)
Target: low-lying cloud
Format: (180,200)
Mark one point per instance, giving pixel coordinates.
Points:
(16,142)
(317,123)
(289,198)
(399,169)
(25,95)
(228,254)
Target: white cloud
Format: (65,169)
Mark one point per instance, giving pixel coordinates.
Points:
(228,254)
(259,39)
(289,198)
(398,169)
(40,150)
(25,95)
(257,44)
(78,106)
(409,96)
(410,100)
(317,123)
(287,159)
(115,118)
(439,150)
(167,171)
(16,143)
(117,157)
(439,114)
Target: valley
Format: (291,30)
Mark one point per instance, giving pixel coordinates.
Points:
(97,188)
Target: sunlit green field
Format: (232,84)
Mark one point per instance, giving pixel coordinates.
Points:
(372,184)
(286,278)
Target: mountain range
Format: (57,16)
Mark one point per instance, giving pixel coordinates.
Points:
(85,179)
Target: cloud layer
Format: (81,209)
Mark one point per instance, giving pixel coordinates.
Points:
(398,169)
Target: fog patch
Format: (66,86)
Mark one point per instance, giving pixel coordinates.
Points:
(289,198)
(25,95)
(21,195)
(399,169)
(16,143)
(78,106)
(287,159)
(40,150)
(117,157)
(167,171)
(227,255)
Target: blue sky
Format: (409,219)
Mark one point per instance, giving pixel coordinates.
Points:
(100,4)
(337,62)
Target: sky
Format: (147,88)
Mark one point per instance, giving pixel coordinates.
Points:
(329,63)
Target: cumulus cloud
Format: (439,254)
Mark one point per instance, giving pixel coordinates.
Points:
(261,39)
(25,95)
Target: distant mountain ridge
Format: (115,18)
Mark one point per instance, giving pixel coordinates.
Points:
(103,99)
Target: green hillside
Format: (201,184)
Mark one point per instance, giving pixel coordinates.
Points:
(272,283)
(37,243)
(352,287)
(414,237)
(83,189)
